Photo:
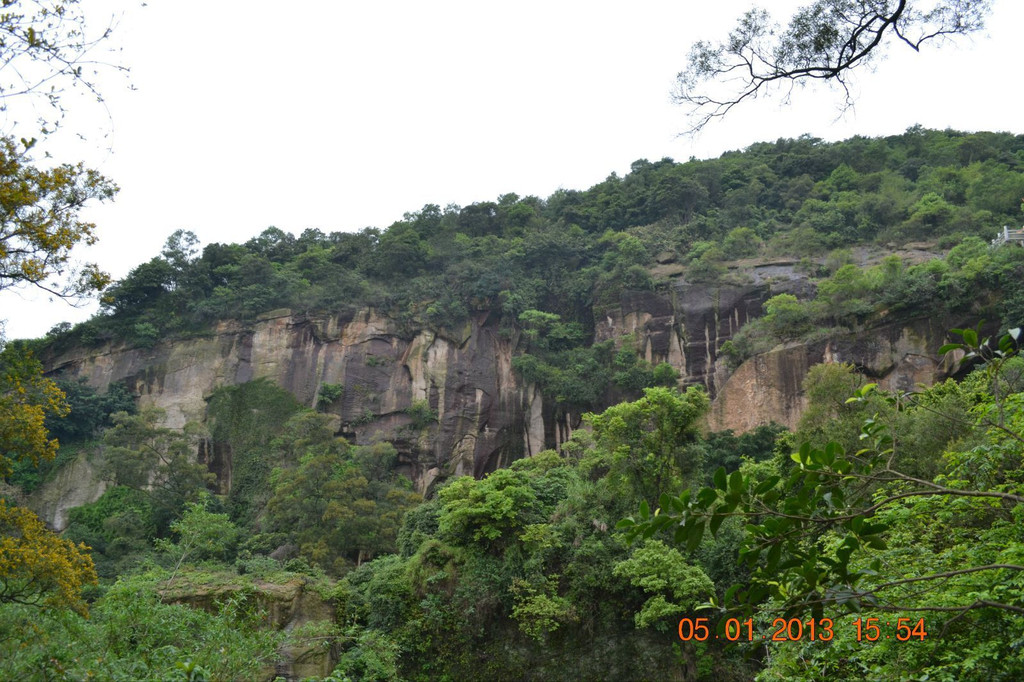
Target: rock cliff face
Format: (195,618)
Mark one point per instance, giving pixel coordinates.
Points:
(767,387)
(286,606)
(486,416)
(464,375)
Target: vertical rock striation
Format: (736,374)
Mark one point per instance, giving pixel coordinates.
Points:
(486,416)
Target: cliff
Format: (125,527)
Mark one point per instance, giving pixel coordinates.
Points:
(486,415)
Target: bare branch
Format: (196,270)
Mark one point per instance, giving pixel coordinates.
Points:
(824,41)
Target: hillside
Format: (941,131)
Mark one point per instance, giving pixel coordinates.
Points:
(424,436)
(505,321)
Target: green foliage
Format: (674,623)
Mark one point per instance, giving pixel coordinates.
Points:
(119,528)
(515,575)
(785,317)
(338,504)
(646,441)
(329,394)
(675,587)
(972,279)
(244,420)
(832,531)
(201,534)
(519,575)
(132,635)
(574,254)
(539,611)
(422,415)
(726,449)
(741,242)
(155,460)
(829,416)
(373,657)
(88,410)
(144,335)
(491,511)
(633,374)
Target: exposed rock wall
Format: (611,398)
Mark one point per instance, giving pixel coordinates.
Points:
(486,416)
(286,606)
(73,485)
(767,387)
(464,375)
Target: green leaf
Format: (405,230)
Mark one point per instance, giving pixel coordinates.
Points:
(720,480)
(950,347)
(679,535)
(832,450)
(696,534)
(645,510)
(772,559)
(766,485)
(736,482)
(875,542)
(706,497)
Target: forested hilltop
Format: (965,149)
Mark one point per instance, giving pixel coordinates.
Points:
(295,530)
(572,253)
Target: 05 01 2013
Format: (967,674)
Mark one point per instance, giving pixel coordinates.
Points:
(796,630)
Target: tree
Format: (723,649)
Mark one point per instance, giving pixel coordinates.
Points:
(44,49)
(854,532)
(156,460)
(27,398)
(827,40)
(37,567)
(47,49)
(647,442)
(40,224)
(335,502)
(201,534)
(661,571)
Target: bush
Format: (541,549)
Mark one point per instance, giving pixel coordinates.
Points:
(329,393)
(422,415)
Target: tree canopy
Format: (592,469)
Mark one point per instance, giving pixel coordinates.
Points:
(40,223)
(48,49)
(827,40)
(835,530)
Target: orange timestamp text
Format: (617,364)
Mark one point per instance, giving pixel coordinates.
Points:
(797,630)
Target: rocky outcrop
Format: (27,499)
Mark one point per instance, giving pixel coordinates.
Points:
(286,606)
(686,323)
(463,375)
(393,373)
(72,485)
(768,387)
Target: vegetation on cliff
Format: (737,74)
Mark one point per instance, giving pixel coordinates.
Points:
(523,573)
(572,253)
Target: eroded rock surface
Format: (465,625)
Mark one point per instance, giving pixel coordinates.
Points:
(486,415)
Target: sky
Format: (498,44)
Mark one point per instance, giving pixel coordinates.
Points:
(237,116)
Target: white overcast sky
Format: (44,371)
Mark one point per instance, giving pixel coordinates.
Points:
(342,115)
